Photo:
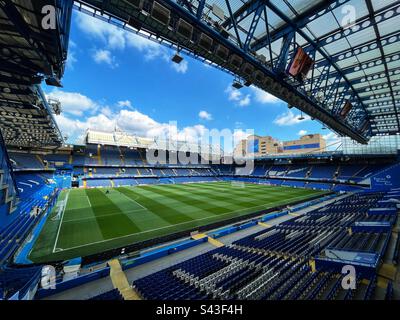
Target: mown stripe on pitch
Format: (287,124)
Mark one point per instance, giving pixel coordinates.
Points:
(230,201)
(243,199)
(229,193)
(143,218)
(113,226)
(203,204)
(251,189)
(277,197)
(228,188)
(244,204)
(163,211)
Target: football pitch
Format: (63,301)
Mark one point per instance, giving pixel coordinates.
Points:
(88,221)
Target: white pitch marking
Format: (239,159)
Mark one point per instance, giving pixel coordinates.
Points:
(174,225)
(61,221)
(105,215)
(133,200)
(90,205)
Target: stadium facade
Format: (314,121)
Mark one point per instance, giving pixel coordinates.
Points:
(257,146)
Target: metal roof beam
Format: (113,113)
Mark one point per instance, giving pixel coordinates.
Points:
(24,29)
(365,65)
(200,8)
(273,83)
(17,81)
(253,26)
(244,11)
(360,80)
(360,25)
(363,47)
(378,36)
(234,23)
(187,4)
(315,46)
(300,21)
(13,68)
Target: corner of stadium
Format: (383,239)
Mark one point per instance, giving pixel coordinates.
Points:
(270,220)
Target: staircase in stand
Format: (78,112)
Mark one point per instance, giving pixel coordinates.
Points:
(8,187)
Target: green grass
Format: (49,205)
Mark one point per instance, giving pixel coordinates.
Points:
(88,221)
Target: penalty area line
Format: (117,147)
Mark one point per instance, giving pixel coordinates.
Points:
(61,221)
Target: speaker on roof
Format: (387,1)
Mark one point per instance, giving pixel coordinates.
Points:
(235,61)
(262,58)
(136,3)
(223,32)
(267,81)
(185,29)
(346,109)
(247,69)
(205,42)
(259,76)
(222,52)
(300,65)
(160,13)
(135,23)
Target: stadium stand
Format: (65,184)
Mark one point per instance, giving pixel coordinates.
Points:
(20,282)
(298,257)
(271,264)
(110,295)
(274,264)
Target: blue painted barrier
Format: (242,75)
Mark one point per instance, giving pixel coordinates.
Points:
(65,285)
(161,252)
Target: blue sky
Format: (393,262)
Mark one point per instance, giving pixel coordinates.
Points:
(114,78)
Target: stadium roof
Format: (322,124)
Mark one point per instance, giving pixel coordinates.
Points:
(354,44)
(28,54)
(352,86)
(123,139)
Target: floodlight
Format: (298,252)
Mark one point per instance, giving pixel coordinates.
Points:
(177,58)
(53,81)
(236,84)
(248,83)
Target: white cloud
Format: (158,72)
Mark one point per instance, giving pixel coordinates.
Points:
(333,141)
(181,67)
(104,56)
(125,103)
(151,48)
(302,132)
(233,94)
(204,115)
(263,96)
(239,124)
(115,38)
(289,119)
(71,58)
(74,124)
(245,101)
(237,96)
(240,135)
(73,102)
